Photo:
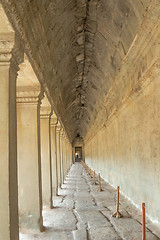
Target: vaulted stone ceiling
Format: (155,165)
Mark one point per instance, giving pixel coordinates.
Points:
(77,48)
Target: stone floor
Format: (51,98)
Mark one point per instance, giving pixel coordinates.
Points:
(83,213)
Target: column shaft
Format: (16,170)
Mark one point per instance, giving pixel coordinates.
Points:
(58,157)
(8,148)
(58,129)
(54,156)
(64,158)
(61,154)
(46,161)
(29,160)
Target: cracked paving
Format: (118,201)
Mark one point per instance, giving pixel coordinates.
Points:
(83,213)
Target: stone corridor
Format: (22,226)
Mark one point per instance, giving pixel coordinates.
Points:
(82,213)
(79,81)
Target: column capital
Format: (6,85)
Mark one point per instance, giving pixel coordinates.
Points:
(45,112)
(46,108)
(11,51)
(58,127)
(29,95)
(65,136)
(54,119)
(61,132)
(6,51)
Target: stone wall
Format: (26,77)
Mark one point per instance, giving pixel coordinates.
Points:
(127,149)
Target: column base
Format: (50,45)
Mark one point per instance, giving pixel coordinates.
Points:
(48,203)
(31,223)
(55,191)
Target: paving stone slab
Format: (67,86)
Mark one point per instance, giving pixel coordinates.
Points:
(128,228)
(80,234)
(53,235)
(103,233)
(60,219)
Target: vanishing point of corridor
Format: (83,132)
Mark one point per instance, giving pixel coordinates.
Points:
(81,212)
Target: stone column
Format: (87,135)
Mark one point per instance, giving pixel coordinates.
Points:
(29,157)
(8,137)
(53,123)
(67,157)
(58,129)
(45,114)
(61,154)
(66,164)
(64,156)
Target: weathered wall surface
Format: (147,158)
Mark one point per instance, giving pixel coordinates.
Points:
(127,150)
(127,147)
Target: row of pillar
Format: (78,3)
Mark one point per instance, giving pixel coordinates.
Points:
(42,152)
(35,153)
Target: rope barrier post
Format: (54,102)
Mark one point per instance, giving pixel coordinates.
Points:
(99,178)
(143,222)
(117,214)
(87,169)
(90,173)
(94,177)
